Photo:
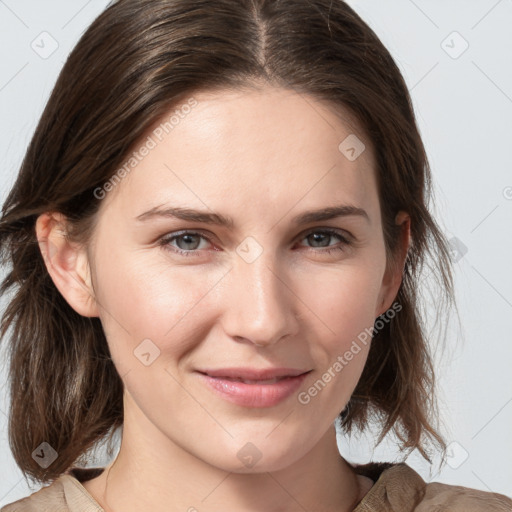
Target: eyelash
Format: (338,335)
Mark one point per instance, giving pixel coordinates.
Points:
(167,239)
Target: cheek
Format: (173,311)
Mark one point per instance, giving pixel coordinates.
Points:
(142,297)
(343,299)
(344,302)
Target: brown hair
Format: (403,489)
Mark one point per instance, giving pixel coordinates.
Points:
(137,60)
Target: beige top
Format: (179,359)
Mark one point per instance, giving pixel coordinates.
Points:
(397,488)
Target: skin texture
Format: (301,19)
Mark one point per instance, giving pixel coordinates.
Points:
(260,157)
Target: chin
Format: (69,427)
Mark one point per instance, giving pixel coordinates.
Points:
(260,456)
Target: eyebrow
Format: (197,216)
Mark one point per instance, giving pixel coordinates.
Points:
(188,214)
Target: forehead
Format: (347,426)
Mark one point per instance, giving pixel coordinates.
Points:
(231,150)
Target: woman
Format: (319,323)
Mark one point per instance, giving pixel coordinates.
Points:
(215,241)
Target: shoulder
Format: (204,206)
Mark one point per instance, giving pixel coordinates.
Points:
(398,488)
(65,494)
(50,497)
(440,497)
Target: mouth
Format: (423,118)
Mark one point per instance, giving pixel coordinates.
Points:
(250,387)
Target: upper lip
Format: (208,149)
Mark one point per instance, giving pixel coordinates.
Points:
(253,373)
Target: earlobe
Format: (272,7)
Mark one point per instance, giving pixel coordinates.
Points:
(394,273)
(67,263)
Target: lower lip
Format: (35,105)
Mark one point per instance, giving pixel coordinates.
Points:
(254,395)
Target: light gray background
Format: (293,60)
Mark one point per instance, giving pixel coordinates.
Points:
(463,102)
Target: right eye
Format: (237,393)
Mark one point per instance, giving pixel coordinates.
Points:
(188,243)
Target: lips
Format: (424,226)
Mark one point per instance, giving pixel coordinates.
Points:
(250,387)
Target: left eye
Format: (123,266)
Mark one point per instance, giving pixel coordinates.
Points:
(321,237)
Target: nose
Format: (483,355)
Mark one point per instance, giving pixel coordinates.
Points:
(259,304)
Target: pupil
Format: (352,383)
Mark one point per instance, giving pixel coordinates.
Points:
(317,237)
(187,240)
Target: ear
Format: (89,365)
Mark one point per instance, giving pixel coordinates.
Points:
(67,263)
(393,275)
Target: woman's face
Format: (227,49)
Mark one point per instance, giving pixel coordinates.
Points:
(256,279)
